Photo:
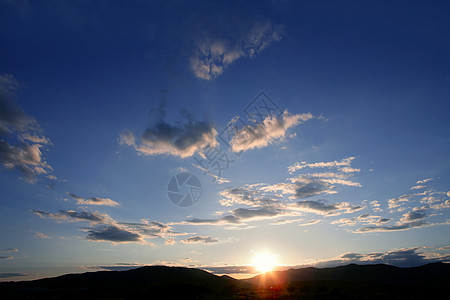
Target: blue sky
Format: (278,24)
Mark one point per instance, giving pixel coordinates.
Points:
(102,103)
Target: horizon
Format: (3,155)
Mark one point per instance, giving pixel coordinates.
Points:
(236,136)
(236,276)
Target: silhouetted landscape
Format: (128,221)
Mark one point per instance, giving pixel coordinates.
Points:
(352,281)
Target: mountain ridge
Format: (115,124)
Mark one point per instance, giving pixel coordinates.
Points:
(167,282)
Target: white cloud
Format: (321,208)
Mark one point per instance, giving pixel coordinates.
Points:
(262,134)
(418,187)
(424,181)
(342,165)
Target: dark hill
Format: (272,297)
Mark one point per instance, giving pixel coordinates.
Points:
(434,272)
(160,282)
(154,282)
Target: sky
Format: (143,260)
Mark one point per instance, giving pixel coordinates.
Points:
(207,134)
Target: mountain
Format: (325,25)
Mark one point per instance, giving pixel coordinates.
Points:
(382,273)
(161,282)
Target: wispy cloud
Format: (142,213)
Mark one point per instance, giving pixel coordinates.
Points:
(72,215)
(93,200)
(214,53)
(200,239)
(343,165)
(41,235)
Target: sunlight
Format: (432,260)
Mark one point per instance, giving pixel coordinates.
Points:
(264,261)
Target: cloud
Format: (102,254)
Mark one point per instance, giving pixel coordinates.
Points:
(424,181)
(413,216)
(41,235)
(418,187)
(399,227)
(405,257)
(8,275)
(6,257)
(182,140)
(151,229)
(93,200)
(169,242)
(21,141)
(342,165)
(12,250)
(364,218)
(322,207)
(243,195)
(71,215)
(213,53)
(397,202)
(444,248)
(200,239)
(241,215)
(262,134)
(230,269)
(104,228)
(112,233)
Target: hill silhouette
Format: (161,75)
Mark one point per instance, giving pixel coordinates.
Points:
(369,273)
(162,282)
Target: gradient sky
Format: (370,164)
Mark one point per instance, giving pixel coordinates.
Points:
(103,102)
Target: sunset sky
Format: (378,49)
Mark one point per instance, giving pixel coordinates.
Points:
(319,131)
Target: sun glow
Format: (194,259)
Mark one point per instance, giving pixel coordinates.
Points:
(264,261)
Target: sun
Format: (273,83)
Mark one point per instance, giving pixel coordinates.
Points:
(264,261)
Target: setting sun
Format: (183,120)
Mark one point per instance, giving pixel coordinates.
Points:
(264,261)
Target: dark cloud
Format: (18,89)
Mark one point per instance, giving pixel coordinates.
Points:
(230,269)
(200,239)
(414,216)
(183,140)
(221,220)
(6,257)
(8,275)
(408,257)
(112,233)
(93,200)
(95,217)
(383,220)
(398,227)
(74,196)
(116,268)
(325,208)
(312,188)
